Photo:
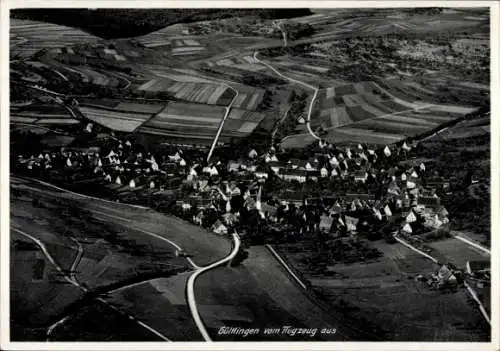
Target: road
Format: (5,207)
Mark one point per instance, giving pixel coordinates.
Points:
(190,286)
(315,95)
(219,130)
(261,282)
(102,210)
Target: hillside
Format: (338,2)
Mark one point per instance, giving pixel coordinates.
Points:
(122,23)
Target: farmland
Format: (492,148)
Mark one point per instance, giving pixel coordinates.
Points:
(226,198)
(27,37)
(205,93)
(379,112)
(43,115)
(116,120)
(200,121)
(385,293)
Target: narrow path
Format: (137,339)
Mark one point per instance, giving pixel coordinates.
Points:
(316,90)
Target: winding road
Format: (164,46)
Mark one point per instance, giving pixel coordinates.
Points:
(122,220)
(307,85)
(262,291)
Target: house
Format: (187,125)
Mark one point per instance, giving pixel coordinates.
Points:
(219,228)
(324,172)
(252,154)
(360,176)
(351,223)
(276,166)
(261,173)
(325,223)
(409,228)
(293,174)
(445,277)
(411,217)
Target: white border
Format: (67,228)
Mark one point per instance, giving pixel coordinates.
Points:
(4,178)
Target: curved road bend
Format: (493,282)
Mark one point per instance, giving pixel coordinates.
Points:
(190,286)
(120,220)
(316,90)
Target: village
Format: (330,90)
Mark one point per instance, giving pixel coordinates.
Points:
(337,195)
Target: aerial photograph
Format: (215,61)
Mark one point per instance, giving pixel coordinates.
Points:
(249,174)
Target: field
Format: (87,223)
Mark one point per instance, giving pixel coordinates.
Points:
(116,120)
(37,296)
(259,294)
(465,129)
(205,93)
(458,252)
(200,121)
(111,257)
(28,37)
(81,326)
(43,114)
(162,305)
(385,293)
(339,24)
(368,112)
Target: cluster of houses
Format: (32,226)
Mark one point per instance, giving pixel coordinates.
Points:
(230,190)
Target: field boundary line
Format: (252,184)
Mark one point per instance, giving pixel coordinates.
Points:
(74,282)
(416,250)
(81,195)
(37,126)
(172,243)
(381,116)
(471,243)
(285,265)
(51,259)
(481,306)
(190,286)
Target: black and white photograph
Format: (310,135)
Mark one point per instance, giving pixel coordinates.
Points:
(211,174)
